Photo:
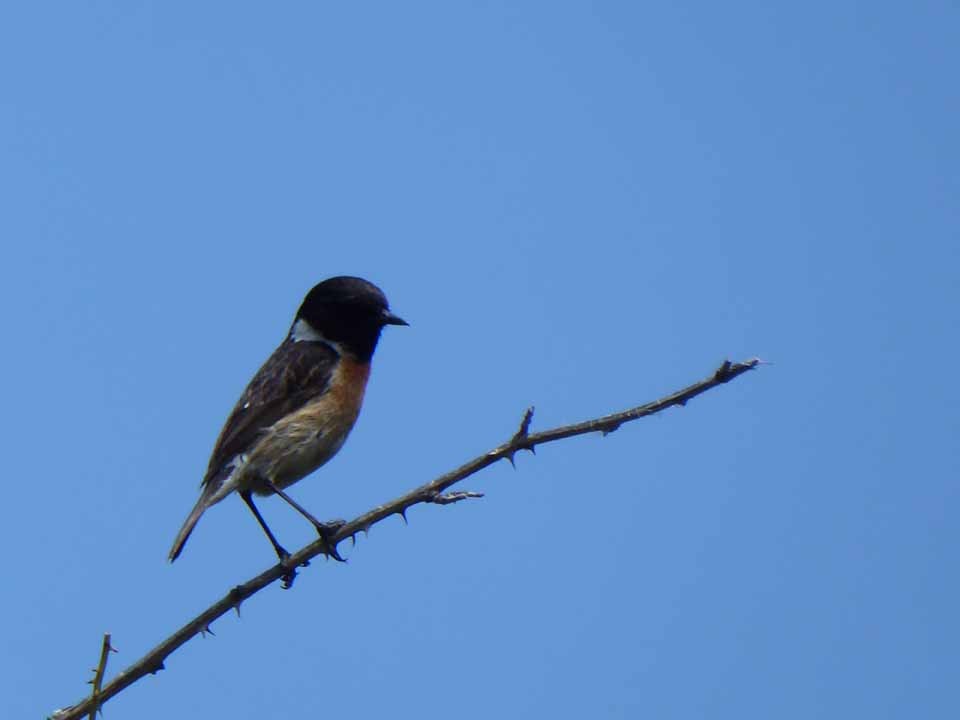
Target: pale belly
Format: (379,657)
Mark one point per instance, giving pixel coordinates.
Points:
(291,450)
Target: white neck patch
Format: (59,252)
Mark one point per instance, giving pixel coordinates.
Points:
(302,331)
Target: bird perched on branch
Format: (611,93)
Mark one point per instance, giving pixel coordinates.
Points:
(299,408)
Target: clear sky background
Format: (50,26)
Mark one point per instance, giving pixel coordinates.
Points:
(581,206)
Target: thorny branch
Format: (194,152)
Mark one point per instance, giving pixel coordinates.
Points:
(432,492)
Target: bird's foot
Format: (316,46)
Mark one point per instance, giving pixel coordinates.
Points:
(326,531)
(286,580)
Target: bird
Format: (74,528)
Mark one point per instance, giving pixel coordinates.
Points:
(299,408)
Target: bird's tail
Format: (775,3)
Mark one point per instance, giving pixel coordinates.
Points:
(202,504)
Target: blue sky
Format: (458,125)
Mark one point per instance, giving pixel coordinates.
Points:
(580,206)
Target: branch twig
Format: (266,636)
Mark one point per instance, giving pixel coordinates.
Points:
(432,492)
(98,674)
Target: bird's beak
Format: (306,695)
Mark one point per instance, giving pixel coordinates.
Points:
(389,318)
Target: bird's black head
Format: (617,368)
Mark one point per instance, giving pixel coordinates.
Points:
(346,310)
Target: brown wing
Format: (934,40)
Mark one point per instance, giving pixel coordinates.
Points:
(293,375)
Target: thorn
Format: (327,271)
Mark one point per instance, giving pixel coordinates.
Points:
(403,514)
(525,423)
(366,531)
(206,630)
(532,449)
(509,456)
(721,374)
(353,540)
(521,434)
(611,429)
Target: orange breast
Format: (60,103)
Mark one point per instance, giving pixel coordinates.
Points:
(348,384)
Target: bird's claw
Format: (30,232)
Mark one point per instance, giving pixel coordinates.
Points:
(286,580)
(326,531)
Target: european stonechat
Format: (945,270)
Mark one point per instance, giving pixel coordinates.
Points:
(299,408)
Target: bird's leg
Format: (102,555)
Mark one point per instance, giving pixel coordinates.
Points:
(289,577)
(326,531)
